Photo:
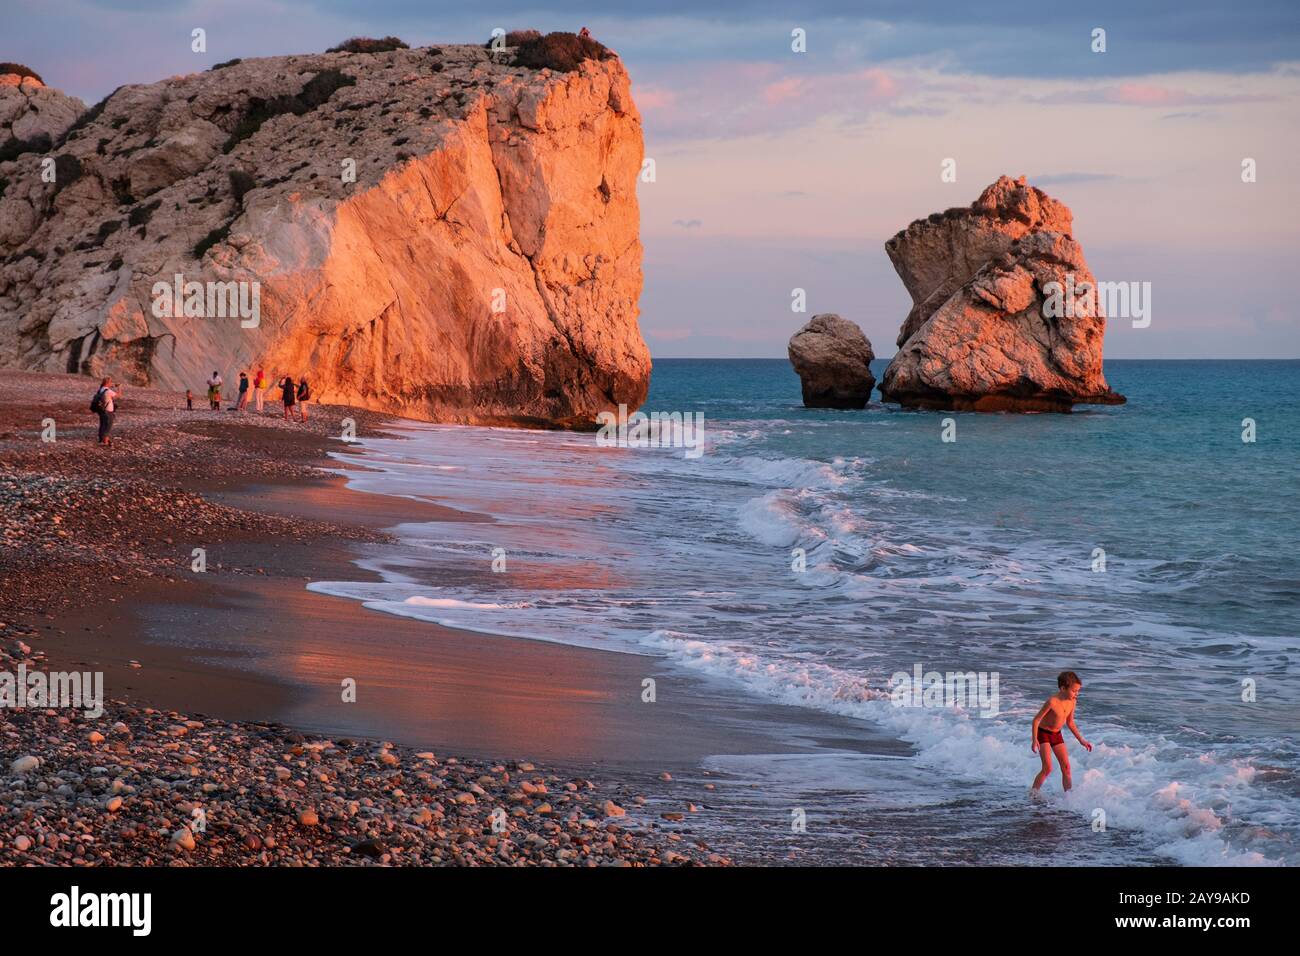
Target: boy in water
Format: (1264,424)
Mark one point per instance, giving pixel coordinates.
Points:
(1056,713)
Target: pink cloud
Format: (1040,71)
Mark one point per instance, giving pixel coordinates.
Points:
(655,98)
(748,98)
(1147,94)
(783,90)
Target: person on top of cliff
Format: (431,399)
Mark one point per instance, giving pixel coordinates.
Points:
(584,32)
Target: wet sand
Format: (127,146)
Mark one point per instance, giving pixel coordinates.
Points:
(263,647)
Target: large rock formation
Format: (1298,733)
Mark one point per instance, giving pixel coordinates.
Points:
(483,267)
(978,335)
(833,360)
(31,111)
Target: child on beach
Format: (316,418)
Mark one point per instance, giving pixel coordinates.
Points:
(214,391)
(189,399)
(1057,712)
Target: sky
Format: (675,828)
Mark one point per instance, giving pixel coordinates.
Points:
(779,170)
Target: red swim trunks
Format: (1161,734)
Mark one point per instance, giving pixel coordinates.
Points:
(1052,737)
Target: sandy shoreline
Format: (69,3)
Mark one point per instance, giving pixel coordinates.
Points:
(482,696)
(97,564)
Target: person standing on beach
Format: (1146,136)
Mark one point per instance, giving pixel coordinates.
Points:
(287,392)
(189,399)
(103,405)
(242,404)
(259,387)
(214,391)
(304,396)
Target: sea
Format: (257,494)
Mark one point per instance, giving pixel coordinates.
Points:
(812,558)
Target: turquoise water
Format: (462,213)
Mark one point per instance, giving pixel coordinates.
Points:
(809,555)
(1200,529)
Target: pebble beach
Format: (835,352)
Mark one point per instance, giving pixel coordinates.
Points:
(85,526)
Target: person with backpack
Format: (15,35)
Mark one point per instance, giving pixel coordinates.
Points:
(214,391)
(287,392)
(104,405)
(304,396)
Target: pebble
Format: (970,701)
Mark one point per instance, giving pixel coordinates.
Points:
(25,764)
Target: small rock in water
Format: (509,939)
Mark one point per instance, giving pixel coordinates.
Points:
(612,809)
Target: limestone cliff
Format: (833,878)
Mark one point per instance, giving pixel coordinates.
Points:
(483,267)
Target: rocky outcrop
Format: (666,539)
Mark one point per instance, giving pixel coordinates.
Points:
(1005,315)
(433,232)
(31,112)
(833,360)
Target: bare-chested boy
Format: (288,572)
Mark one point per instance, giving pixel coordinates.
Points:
(1056,713)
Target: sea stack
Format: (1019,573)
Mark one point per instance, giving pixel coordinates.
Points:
(1005,315)
(833,360)
(448,233)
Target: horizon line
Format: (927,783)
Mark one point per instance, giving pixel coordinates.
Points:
(882,358)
